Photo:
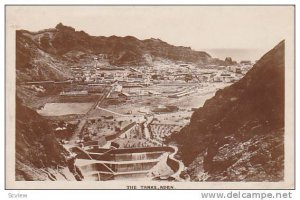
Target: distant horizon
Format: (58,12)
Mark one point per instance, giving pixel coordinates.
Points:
(237,54)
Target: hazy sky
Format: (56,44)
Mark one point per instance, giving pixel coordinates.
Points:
(200,27)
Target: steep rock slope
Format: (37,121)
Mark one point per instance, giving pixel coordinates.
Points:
(33,63)
(238,134)
(38,154)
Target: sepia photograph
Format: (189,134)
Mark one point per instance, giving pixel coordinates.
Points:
(149,97)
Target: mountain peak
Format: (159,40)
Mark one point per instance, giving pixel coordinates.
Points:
(60,26)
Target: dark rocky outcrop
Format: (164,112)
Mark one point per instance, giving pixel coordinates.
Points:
(38,154)
(229,61)
(238,134)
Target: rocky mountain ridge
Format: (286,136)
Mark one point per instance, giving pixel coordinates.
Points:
(49,54)
(238,135)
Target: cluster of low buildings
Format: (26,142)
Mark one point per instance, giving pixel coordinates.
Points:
(129,80)
(148,75)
